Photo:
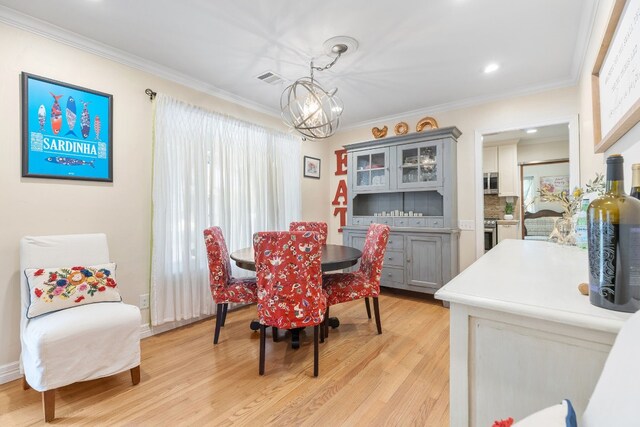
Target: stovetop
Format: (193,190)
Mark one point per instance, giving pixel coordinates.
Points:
(490,222)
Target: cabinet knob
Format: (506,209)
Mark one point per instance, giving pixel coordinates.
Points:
(408,259)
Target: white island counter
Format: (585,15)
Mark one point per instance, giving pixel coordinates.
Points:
(522,336)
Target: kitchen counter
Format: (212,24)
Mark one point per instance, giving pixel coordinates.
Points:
(522,336)
(507,222)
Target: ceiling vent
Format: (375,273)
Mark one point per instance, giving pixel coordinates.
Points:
(271,78)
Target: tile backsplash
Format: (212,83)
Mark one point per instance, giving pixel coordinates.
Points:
(494,206)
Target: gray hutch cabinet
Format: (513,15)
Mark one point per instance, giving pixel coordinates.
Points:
(409,183)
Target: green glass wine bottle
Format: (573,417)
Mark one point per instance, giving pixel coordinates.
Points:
(613,228)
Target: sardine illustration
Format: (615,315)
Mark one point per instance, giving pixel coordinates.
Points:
(96,127)
(85,120)
(71,115)
(42,115)
(56,114)
(69,161)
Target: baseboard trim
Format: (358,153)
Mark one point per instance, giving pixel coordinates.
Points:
(177,324)
(145,331)
(10,372)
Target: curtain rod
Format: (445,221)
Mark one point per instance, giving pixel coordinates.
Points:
(150,93)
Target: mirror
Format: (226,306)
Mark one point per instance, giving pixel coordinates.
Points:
(552,176)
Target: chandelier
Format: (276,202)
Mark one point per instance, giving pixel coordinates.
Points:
(307,107)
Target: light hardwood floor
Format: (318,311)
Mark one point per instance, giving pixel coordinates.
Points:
(398,378)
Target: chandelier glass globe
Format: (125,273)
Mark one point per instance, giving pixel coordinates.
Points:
(311,110)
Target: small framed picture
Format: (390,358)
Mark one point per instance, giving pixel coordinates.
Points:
(66,131)
(311,167)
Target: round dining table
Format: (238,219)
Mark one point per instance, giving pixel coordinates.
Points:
(334,257)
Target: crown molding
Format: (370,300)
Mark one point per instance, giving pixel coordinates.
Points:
(44,29)
(585,34)
(52,32)
(465,103)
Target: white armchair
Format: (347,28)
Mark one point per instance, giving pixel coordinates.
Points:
(614,401)
(80,343)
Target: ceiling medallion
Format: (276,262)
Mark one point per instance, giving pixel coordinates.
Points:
(307,107)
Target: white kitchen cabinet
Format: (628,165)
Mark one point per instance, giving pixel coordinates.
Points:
(508,231)
(508,181)
(490,160)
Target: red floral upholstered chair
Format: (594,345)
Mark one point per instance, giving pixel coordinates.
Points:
(364,283)
(289,275)
(319,227)
(224,288)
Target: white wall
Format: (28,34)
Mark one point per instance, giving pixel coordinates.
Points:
(121,209)
(315,192)
(629,144)
(508,114)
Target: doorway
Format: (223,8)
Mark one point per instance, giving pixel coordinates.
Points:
(540,131)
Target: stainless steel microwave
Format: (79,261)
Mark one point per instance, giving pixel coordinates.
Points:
(490,183)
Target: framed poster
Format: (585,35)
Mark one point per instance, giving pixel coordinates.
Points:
(615,81)
(555,184)
(66,131)
(311,167)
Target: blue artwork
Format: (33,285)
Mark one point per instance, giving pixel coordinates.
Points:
(55,144)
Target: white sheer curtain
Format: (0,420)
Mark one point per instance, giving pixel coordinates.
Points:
(528,195)
(210,169)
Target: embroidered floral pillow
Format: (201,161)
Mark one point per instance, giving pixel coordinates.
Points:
(54,289)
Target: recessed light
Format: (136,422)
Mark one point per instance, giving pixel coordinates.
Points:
(532,130)
(491,68)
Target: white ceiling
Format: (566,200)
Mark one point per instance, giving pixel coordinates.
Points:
(543,134)
(414,55)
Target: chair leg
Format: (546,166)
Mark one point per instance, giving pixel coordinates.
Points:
(135,375)
(49,405)
(368,307)
(25,384)
(263,333)
(326,323)
(322,326)
(376,310)
(219,314)
(274,333)
(315,350)
(224,313)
